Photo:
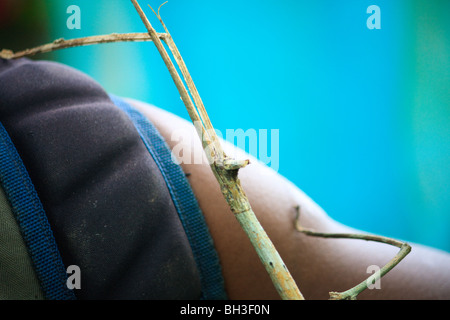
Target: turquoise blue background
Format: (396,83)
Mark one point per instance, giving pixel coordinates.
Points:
(363,115)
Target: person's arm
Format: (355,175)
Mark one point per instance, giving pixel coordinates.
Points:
(317,265)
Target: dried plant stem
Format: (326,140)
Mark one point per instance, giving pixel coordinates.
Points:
(225,169)
(188,79)
(63,44)
(352,293)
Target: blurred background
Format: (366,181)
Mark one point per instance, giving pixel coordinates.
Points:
(363,115)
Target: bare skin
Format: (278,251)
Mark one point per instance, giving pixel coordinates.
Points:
(317,265)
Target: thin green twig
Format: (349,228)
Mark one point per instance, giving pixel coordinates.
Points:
(352,293)
(224,169)
(61,43)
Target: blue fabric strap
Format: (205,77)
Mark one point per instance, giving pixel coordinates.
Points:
(32,221)
(185,202)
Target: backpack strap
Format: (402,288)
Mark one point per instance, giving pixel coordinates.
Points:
(17,277)
(185,202)
(33,224)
